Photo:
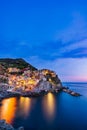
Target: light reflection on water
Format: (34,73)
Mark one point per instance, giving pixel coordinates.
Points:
(61,111)
(48,103)
(24,106)
(8,109)
(21,107)
(13,107)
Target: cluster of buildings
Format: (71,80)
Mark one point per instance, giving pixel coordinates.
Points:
(27,80)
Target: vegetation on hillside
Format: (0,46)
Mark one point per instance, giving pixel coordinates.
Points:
(17,63)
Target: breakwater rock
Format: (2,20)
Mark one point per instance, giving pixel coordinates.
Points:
(67,90)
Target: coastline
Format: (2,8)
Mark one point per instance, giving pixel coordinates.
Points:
(7,94)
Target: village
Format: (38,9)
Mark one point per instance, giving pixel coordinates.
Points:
(27,80)
(17,77)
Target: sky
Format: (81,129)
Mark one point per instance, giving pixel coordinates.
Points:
(48,34)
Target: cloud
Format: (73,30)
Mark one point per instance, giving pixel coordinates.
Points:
(71,42)
(74,50)
(68,69)
(76,30)
(48,51)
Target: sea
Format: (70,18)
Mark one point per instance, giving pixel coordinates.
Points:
(50,112)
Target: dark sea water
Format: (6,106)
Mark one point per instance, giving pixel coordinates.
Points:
(51,112)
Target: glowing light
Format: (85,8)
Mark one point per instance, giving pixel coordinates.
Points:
(29,80)
(24,106)
(49,106)
(8,109)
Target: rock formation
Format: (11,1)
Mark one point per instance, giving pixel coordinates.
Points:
(5,126)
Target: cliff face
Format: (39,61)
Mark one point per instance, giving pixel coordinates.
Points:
(47,87)
(50,82)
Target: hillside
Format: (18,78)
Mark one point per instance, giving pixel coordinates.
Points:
(18,63)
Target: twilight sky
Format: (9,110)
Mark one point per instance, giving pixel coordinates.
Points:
(47,33)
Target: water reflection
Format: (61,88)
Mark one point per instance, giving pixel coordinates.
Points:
(15,107)
(24,106)
(49,106)
(8,109)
